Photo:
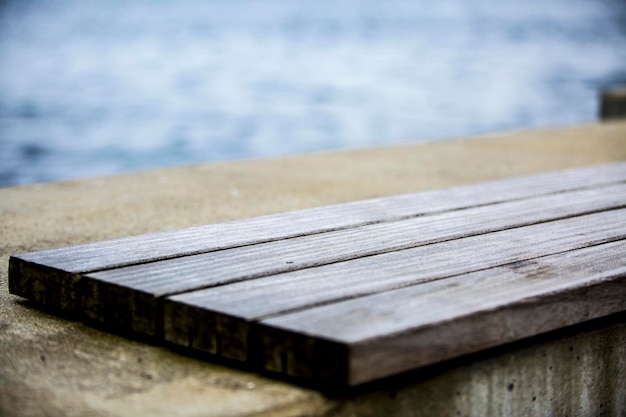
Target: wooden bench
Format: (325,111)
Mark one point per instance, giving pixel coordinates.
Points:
(344,295)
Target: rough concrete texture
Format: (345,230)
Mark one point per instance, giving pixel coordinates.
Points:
(50,366)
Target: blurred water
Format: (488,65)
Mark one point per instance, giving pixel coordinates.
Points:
(94,87)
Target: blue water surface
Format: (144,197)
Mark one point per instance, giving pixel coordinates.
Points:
(99,87)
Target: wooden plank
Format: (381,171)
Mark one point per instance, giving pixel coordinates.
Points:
(218,320)
(367,338)
(127,298)
(52,277)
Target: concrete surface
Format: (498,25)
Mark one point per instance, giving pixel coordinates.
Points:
(50,366)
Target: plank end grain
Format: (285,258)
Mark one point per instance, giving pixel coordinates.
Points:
(300,357)
(178,324)
(205,330)
(121,308)
(47,286)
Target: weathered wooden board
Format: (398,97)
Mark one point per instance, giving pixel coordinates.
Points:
(52,277)
(371,337)
(127,298)
(218,320)
(356,292)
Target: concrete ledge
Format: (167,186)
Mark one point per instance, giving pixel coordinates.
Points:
(52,366)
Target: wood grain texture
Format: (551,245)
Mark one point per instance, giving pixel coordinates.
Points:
(218,320)
(38,275)
(348,294)
(127,298)
(367,338)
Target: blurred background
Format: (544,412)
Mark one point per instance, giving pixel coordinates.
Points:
(100,87)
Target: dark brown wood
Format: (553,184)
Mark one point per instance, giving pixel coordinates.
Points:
(53,277)
(396,331)
(128,298)
(218,320)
